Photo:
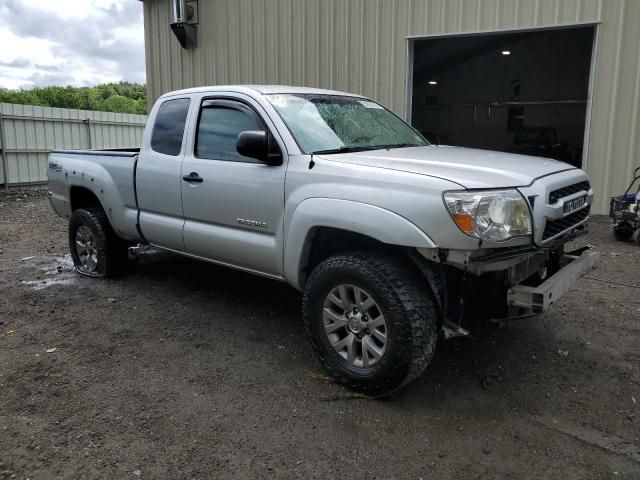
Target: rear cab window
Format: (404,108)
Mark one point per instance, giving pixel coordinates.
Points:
(168,129)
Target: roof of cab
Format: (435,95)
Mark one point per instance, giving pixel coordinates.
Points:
(261,89)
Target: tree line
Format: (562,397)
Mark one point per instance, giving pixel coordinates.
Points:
(122,97)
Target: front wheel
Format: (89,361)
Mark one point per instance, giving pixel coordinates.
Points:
(95,248)
(371,320)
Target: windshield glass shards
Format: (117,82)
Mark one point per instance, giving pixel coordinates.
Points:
(342,124)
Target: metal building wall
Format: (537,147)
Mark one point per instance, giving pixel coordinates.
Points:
(30,132)
(361,46)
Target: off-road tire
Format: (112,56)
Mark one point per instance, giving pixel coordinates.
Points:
(112,251)
(409,308)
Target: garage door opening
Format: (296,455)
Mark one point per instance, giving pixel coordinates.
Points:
(523,92)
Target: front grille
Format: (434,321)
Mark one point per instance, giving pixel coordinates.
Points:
(566,191)
(554,227)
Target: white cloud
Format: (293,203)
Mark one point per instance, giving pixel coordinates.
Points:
(70,43)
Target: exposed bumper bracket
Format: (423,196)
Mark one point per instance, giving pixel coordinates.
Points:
(525,301)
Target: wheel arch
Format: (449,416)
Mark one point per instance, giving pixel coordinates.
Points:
(320,227)
(96,188)
(82,197)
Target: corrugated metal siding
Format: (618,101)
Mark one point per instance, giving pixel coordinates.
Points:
(31,131)
(360,46)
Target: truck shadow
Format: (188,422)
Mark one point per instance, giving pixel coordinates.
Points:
(498,359)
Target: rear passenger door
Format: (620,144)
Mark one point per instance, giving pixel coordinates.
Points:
(158,181)
(233,205)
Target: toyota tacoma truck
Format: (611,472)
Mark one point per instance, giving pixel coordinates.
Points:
(393,242)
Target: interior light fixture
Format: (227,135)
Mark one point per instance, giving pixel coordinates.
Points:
(432,82)
(506,52)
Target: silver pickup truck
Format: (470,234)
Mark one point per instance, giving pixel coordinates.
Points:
(394,242)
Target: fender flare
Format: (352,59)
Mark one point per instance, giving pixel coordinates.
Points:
(96,179)
(369,220)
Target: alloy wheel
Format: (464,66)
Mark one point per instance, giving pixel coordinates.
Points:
(87,250)
(355,325)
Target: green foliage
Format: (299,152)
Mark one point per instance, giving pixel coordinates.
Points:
(123,97)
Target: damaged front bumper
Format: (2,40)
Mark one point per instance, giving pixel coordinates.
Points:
(524,300)
(498,286)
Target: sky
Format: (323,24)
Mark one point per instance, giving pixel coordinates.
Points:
(70,42)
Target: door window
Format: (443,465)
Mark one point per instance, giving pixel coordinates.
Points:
(168,129)
(218,132)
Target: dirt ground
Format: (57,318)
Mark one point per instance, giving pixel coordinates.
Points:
(186,370)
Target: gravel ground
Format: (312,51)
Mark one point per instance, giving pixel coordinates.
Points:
(187,370)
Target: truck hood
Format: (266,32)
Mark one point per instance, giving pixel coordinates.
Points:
(468,167)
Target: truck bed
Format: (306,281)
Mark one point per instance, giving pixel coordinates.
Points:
(108,174)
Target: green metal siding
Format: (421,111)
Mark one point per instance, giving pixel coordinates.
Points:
(31,131)
(360,46)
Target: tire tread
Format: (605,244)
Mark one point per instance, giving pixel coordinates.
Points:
(396,277)
(114,254)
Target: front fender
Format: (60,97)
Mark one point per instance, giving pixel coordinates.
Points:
(375,222)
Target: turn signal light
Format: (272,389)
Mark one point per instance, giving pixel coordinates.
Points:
(464,221)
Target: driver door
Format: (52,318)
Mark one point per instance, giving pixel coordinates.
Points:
(233,205)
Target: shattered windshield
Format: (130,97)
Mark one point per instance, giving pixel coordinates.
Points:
(334,123)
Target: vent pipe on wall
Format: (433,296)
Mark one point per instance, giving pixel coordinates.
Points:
(184,21)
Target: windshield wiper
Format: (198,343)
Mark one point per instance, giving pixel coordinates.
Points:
(395,145)
(343,149)
(362,148)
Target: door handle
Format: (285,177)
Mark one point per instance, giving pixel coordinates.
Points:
(193,177)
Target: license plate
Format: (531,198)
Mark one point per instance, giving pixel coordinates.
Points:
(574,204)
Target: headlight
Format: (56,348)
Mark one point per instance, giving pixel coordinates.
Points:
(492,215)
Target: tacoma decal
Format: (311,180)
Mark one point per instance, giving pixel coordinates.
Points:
(251,223)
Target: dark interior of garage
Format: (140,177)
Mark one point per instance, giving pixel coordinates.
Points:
(522,92)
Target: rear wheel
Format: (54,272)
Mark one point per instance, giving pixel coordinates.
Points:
(95,248)
(372,321)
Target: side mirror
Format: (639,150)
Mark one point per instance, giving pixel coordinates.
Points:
(258,144)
